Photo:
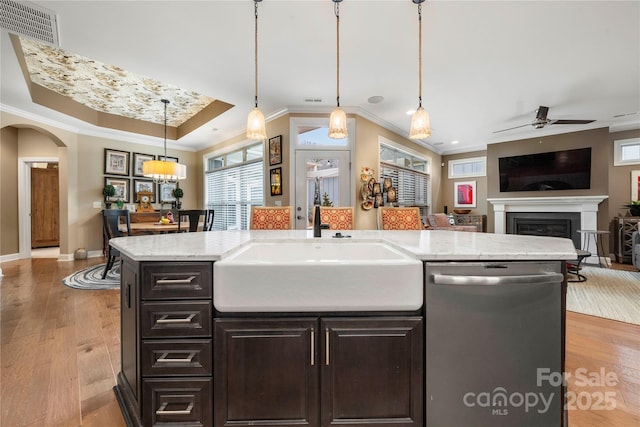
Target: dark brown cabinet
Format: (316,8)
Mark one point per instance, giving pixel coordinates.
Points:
(319,371)
(167,364)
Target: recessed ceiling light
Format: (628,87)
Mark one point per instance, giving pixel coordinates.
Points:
(375,99)
(455,142)
(410,112)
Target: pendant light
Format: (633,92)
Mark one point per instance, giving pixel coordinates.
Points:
(338,118)
(420,124)
(256,128)
(163,171)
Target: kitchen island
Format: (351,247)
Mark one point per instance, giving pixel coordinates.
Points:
(192,355)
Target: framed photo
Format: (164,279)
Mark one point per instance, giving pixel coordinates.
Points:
(169,159)
(138,160)
(166,193)
(276,182)
(144,185)
(275,150)
(635,185)
(122,187)
(464,194)
(116,162)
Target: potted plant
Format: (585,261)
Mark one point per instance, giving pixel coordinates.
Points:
(634,207)
(108,191)
(178,194)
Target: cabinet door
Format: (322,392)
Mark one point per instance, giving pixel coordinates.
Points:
(265,372)
(372,372)
(129,326)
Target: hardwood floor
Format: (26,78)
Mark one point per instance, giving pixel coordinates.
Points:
(61,353)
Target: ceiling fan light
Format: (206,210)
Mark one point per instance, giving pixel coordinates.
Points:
(420,124)
(256,127)
(338,124)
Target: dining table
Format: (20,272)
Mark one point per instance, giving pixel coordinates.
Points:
(154,227)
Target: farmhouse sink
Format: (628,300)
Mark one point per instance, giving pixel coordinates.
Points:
(312,275)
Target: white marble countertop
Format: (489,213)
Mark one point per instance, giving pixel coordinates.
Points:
(427,245)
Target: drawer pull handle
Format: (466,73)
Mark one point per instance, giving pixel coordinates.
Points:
(161,410)
(313,348)
(164,319)
(164,358)
(186,281)
(327,351)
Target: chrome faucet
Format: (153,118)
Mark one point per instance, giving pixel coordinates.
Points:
(316,222)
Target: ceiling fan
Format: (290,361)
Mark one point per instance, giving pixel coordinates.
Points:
(541,121)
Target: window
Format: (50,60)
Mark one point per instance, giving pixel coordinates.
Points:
(408,175)
(465,168)
(626,152)
(233,183)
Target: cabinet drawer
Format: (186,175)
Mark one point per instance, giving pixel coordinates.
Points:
(176,319)
(177,401)
(166,280)
(176,357)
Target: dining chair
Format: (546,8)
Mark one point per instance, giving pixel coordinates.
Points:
(193,216)
(338,218)
(208,220)
(271,218)
(400,218)
(111,220)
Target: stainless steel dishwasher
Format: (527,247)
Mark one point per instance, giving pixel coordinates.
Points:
(494,344)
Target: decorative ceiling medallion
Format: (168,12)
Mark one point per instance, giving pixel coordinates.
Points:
(112,90)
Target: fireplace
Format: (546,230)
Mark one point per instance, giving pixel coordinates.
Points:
(586,207)
(553,224)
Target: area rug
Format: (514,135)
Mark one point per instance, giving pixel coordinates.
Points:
(91,278)
(612,294)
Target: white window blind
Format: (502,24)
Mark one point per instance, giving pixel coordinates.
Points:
(231,192)
(412,186)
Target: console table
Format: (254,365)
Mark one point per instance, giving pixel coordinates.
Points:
(624,228)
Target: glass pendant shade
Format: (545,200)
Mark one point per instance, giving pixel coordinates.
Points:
(420,124)
(338,124)
(256,128)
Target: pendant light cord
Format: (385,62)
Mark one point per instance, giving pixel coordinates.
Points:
(337,12)
(420,54)
(255,43)
(165,101)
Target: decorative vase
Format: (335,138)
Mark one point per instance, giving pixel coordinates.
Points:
(107,205)
(120,203)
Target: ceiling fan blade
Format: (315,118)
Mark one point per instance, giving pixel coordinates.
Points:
(571,122)
(541,114)
(516,127)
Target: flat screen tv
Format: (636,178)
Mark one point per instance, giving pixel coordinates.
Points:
(557,170)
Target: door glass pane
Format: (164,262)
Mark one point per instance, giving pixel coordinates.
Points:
(322,184)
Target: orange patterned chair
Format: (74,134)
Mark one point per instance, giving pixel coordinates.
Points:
(271,218)
(400,218)
(337,218)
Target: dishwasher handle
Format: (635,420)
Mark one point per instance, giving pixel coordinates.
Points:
(458,280)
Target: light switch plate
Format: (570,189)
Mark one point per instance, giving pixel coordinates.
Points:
(278,203)
(97,205)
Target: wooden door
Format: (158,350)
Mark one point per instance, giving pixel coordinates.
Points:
(266,372)
(372,372)
(45,212)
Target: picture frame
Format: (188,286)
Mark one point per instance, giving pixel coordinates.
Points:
(165,192)
(275,150)
(635,185)
(138,160)
(169,159)
(144,185)
(122,188)
(276,181)
(464,194)
(116,162)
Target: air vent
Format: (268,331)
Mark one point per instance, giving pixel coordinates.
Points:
(29,20)
(313,100)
